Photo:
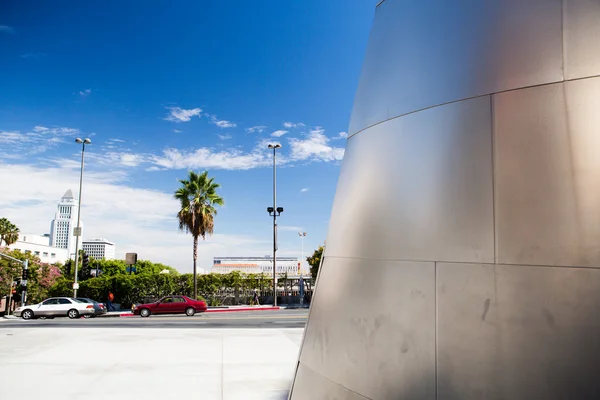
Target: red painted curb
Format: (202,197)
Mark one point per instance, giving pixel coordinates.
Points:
(220,310)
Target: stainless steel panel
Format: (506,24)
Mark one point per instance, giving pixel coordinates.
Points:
(548,175)
(582,38)
(418,187)
(517,332)
(312,386)
(371,328)
(422,54)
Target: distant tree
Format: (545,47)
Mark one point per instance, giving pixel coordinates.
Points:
(9,233)
(198,198)
(314,261)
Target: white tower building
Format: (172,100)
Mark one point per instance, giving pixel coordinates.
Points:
(65,220)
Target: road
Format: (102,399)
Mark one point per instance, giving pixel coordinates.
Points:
(280,319)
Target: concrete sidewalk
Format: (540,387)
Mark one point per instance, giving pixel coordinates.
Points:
(211,364)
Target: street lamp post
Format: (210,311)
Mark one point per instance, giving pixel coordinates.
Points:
(302,236)
(274,212)
(77,230)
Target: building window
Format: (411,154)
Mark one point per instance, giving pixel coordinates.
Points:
(45,254)
(37,253)
(53,255)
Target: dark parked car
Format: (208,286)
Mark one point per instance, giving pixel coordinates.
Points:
(99,308)
(171,305)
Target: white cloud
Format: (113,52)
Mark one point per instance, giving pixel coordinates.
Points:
(178,114)
(17,144)
(138,220)
(342,135)
(224,137)
(114,140)
(176,131)
(207,158)
(85,93)
(221,123)
(292,125)
(6,29)
(225,124)
(304,190)
(279,133)
(315,147)
(258,128)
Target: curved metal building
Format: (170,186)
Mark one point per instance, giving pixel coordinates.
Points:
(463,256)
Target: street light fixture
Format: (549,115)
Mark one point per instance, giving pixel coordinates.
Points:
(274,212)
(302,236)
(77,230)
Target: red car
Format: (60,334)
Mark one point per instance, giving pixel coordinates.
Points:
(171,305)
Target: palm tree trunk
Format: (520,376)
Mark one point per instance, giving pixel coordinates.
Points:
(195,259)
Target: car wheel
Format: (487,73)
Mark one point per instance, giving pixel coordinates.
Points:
(73,313)
(27,314)
(190,312)
(145,312)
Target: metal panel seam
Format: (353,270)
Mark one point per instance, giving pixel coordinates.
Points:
(435,289)
(470,98)
(335,383)
(563,41)
(493,141)
(463,262)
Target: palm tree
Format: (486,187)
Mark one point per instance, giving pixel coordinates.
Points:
(9,233)
(198,197)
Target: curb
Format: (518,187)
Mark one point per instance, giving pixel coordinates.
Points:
(242,309)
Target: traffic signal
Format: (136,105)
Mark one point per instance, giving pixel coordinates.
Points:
(25,274)
(85,265)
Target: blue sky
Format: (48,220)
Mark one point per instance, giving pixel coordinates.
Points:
(164,87)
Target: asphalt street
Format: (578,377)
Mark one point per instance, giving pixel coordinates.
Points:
(280,319)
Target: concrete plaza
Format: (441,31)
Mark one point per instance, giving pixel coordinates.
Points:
(147,363)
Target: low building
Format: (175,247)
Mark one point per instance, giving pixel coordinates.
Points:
(99,248)
(255,265)
(39,245)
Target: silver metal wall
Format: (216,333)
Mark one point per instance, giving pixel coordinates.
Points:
(466,224)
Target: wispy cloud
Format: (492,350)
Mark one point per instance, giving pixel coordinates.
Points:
(33,56)
(37,140)
(114,140)
(315,147)
(176,131)
(6,29)
(225,124)
(221,123)
(178,114)
(304,190)
(258,128)
(207,158)
(279,133)
(341,135)
(225,137)
(293,125)
(85,93)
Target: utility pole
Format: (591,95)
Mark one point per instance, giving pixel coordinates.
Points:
(77,230)
(274,212)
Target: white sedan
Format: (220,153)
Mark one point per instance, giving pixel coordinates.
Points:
(55,307)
